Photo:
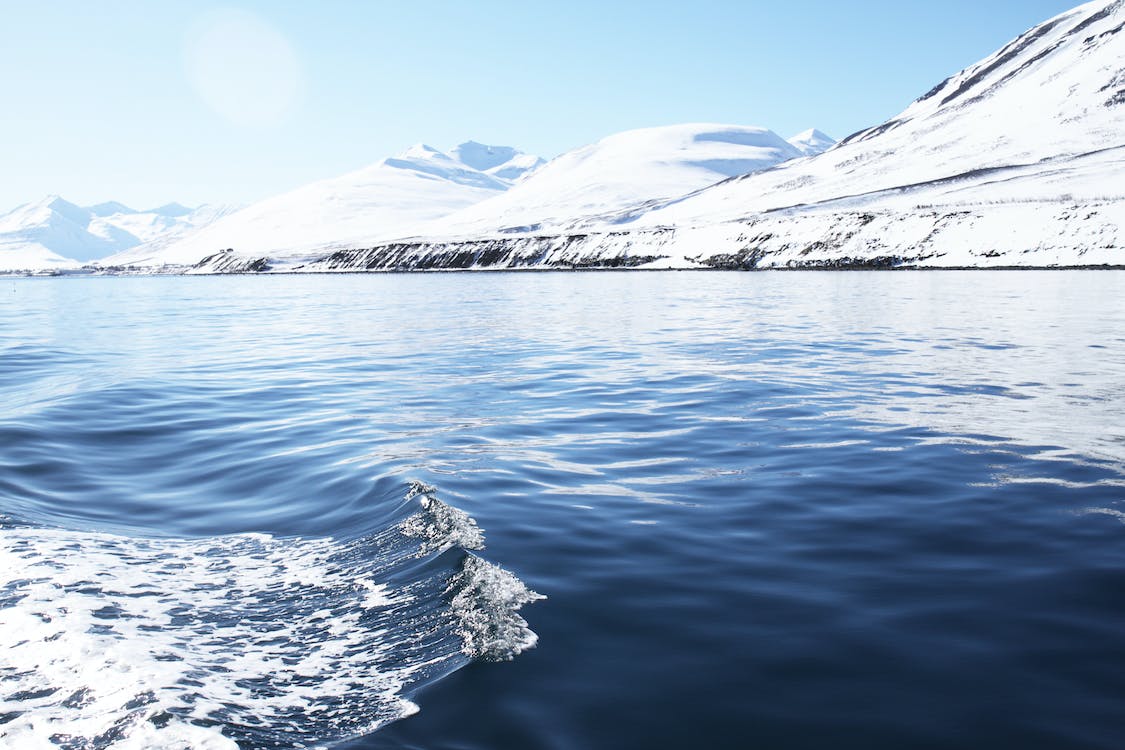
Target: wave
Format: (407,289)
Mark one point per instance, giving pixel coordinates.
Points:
(242,641)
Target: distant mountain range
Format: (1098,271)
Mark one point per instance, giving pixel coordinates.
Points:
(1017,160)
(377,202)
(55,233)
(399,195)
(621,172)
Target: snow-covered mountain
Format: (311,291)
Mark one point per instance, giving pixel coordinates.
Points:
(622,171)
(812,142)
(1018,160)
(473,188)
(1054,92)
(383,200)
(503,162)
(54,233)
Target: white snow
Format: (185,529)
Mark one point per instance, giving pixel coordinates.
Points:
(425,191)
(622,171)
(1042,96)
(20,256)
(1015,161)
(377,202)
(503,162)
(812,142)
(109,208)
(519,167)
(55,234)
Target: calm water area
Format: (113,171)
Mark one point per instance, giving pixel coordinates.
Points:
(566,511)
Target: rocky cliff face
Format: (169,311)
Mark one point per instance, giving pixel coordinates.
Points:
(1087,234)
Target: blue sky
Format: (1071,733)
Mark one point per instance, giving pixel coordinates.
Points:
(147,102)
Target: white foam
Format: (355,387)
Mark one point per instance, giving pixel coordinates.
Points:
(441,526)
(139,643)
(1119,515)
(116,643)
(485,599)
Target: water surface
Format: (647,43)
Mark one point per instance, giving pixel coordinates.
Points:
(778,510)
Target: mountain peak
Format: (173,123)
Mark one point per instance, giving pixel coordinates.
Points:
(813,133)
(419,151)
(171,210)
(109,208)
(625,170)
(812,142)
(64,208)
(481,156)
(53,200)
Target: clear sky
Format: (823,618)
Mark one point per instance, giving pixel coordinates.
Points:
(151,102)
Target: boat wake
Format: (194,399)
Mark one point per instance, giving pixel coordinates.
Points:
(242,641)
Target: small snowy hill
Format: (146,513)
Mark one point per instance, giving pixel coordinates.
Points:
(56,234)
(622,171)
(387,198)
(812,142)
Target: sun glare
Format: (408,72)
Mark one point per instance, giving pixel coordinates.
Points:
(243,68)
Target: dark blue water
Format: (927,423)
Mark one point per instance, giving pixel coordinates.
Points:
(869,510)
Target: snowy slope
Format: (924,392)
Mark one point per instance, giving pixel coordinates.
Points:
(162,232)
(384,199)
(1058,90)
(48,233)
(1018,160)
(622,171)
(54,233)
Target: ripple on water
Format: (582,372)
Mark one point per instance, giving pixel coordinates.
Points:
(786,510)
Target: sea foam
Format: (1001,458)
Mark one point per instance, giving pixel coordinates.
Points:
(120,642)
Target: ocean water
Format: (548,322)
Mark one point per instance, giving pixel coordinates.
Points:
(563,510)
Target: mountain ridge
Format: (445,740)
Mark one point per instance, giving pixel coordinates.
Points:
(416,185)
(54,233)
(621,171)
(423,189)
(1012,161)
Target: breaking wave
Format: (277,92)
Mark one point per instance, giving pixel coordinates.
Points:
(242,641)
